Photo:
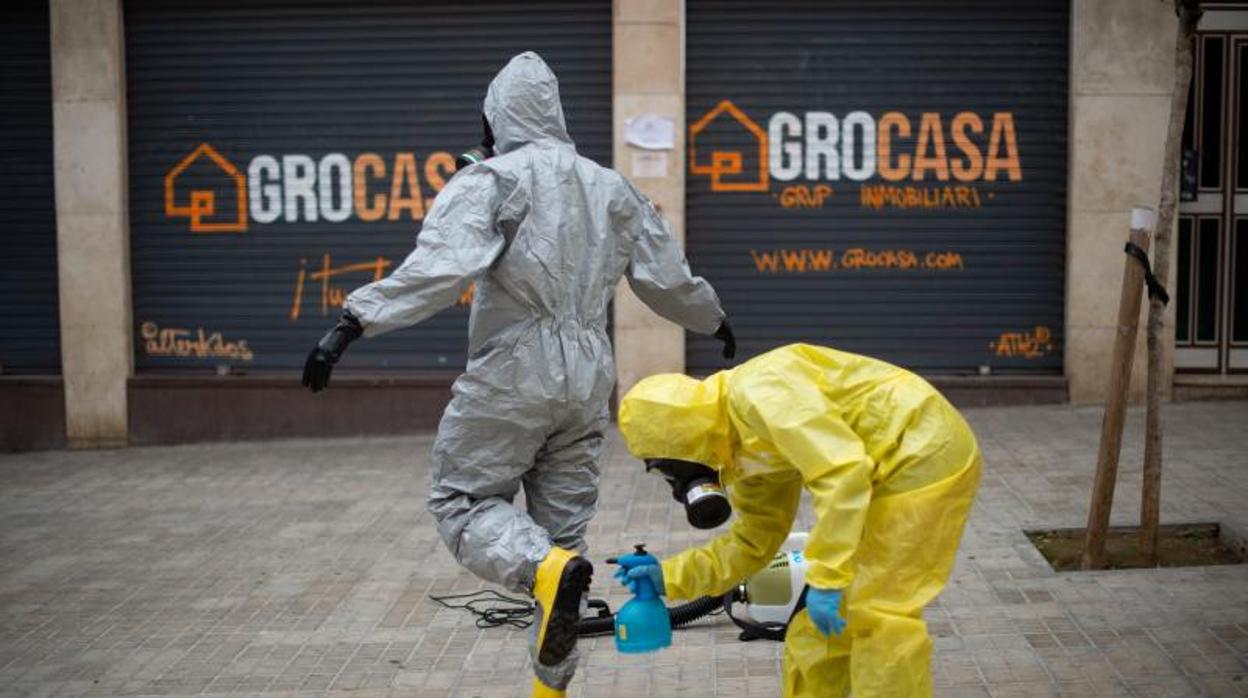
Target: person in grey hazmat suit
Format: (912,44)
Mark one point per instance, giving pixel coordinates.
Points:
(546,235)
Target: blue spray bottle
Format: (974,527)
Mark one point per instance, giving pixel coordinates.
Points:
(642,625)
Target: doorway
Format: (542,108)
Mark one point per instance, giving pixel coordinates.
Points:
(1211,314)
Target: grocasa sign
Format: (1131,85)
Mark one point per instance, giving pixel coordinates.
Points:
(297,188)
(858,146)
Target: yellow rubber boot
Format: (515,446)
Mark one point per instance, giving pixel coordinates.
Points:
(541,690)
(562,579)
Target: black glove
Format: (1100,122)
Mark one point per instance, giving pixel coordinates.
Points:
(724,334)
(326,353)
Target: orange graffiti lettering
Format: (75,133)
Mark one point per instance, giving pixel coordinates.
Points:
(974,160)
(331,296)
(466,297)
(405,189)
(439,167)
(892,196)
(766,262)
(803,196)
(1003,137)
(943,260)
(858,258)
(368,208)
(1025,345)
(801,261)
(930,135)
(884,142)
(194,344)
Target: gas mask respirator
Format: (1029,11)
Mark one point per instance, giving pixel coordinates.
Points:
(696,487)
(478,153)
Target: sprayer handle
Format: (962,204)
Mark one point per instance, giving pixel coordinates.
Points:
(645,589)
(645,581)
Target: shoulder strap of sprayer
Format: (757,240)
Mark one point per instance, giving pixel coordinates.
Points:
(751,630)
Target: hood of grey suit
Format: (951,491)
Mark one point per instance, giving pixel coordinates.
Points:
(522,104)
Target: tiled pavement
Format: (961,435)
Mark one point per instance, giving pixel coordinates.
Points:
(305,566)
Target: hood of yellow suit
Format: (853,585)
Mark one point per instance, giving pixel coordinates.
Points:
(675,416)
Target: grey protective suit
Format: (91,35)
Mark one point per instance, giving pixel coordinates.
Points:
(546,235)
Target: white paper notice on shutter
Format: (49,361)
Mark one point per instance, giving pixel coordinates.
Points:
(649,165)
(650,131)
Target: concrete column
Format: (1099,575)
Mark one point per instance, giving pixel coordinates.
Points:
(1122,74)
(649,78)
(93,239)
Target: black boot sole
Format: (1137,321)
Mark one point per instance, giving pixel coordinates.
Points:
(565,617)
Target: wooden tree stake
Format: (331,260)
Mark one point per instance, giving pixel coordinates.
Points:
(1116,399)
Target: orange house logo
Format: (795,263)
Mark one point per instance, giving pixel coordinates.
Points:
(203,202)
(727,162)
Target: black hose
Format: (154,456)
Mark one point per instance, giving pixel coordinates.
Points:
(682,615)
(685,614)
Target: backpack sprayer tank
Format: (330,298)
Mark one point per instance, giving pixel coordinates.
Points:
(772,593)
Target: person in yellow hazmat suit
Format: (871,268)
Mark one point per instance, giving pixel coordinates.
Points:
(891,468)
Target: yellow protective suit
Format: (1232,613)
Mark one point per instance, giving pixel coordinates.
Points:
(892,469)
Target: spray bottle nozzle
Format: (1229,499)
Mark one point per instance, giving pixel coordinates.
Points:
(633,559)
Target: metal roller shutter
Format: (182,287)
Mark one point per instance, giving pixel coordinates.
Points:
(887,178)
(283,153)
(29,317)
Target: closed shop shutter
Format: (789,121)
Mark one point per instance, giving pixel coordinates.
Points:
(284,153)
(887,178)
(29,321)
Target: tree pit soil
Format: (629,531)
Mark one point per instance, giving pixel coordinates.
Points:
(1180,545)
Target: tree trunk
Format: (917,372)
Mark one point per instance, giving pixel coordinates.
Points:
(1150,506)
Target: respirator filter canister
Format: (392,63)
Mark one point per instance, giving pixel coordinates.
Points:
(697,488)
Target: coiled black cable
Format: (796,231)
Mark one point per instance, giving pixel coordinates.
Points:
(491,608)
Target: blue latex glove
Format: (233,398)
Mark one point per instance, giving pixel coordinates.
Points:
(824,607)
(629,577)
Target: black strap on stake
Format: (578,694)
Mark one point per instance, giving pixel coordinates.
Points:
(1155,289)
